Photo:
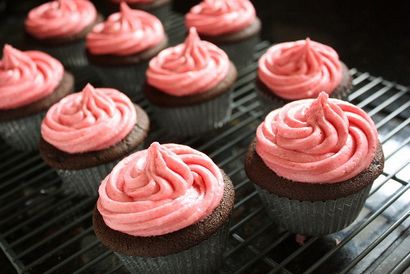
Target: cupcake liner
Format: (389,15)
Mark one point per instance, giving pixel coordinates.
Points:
(314,218)
(196,119)
(85,181)
(162,13)
(127,79)
(268,102)
(22,134)
(241,53)
(72,54)
(205,257)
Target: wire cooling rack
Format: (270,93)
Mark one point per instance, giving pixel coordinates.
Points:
(44,229)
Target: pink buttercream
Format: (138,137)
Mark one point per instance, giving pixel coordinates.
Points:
(160,190)
(60,18)
(217,17)
(125,33)
(26,77)
(192,67)
(317,140)
(91,120)
(300,70)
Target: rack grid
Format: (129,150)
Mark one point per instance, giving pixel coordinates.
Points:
(44,229)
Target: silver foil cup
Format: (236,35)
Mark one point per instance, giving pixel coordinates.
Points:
(22,134)
(71,54)
(162,13)
(127,79)
(267,102)
(314,218)
(85,181)
(241,53)
(196,119)
(206,257)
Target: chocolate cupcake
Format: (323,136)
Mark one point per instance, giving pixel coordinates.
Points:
(232,25)
(85,134)
(189,87)
(159,8)
(121,47)
(300,70)
(59,28)
(165,210)
(30,82)
(313,163)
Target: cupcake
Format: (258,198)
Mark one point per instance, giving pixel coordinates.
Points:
(85,134)
(300,70)
(121,47)
(189,87)
(165,210)
(232,25)
(30,82)
(59,28)
(159,8)
(314,162)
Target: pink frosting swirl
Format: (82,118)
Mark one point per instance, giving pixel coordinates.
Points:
(91,120)
(160,190)
(125,33)
(301,69)
(61,18)
(26,77)
(217,17)
(189,68)
(317,140)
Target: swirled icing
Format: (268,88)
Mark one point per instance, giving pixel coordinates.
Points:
(26,77)
(91,120)
(217,17)
(189,68)
(317,140)
(160,190)
(125,33)
(60,18)
(300,70)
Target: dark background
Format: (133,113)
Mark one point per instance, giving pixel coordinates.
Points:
(372,36)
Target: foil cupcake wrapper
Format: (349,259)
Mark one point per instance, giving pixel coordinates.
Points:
(162,13)
(127,79)
(72,55)
(241,53)
(267,102)
(206,257)
(22,134)
(193,120)
(85,182)
(314,218)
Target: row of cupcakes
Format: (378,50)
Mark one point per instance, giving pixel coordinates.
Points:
(64,27)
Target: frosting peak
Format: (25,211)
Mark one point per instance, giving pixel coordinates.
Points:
(160,190)
(301,69)
(60,19)
(125,33)
(26,77)
(217,17)
(91,120)
(317,140)
(189,68)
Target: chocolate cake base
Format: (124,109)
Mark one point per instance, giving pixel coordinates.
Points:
(270,101)
(65,87)
(265,178)
(162,99)
(62,160)
(171,243)
(159,8)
